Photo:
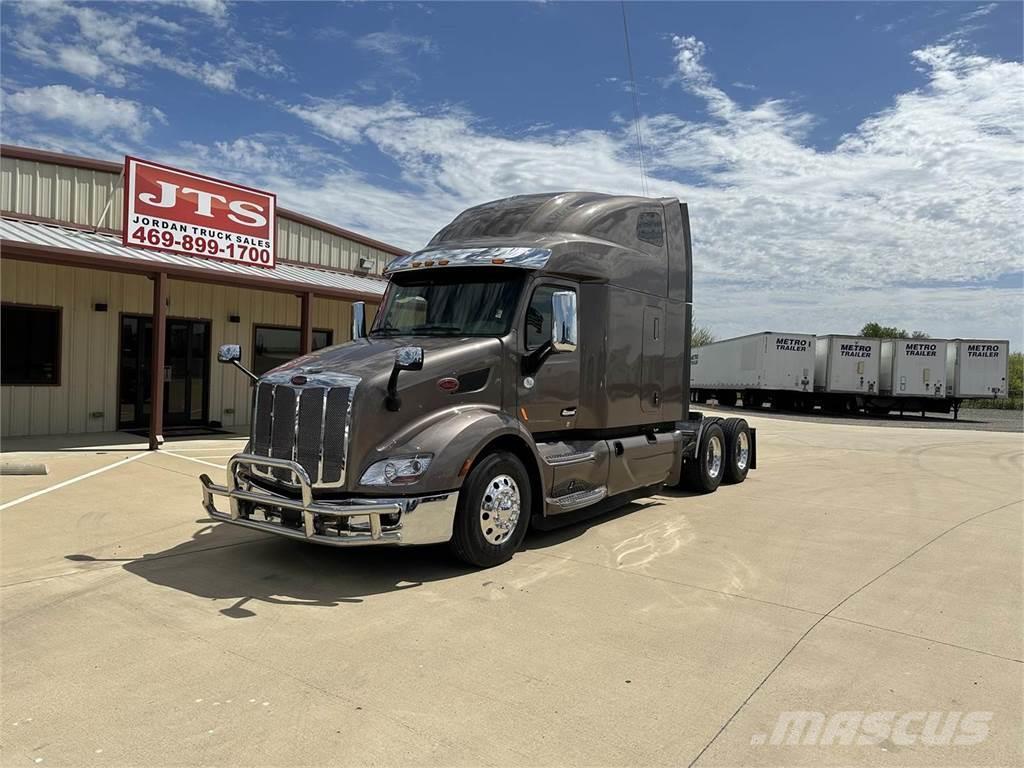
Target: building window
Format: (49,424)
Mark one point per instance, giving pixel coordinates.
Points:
(31,346)
(275,346)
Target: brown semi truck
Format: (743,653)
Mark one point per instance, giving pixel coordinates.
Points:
(530,366)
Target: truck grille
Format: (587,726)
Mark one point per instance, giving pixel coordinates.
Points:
(306,424)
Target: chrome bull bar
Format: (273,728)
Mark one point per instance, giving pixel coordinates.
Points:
(422,520)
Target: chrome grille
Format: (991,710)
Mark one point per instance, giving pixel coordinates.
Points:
(308,424)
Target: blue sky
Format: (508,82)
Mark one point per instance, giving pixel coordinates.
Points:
(844,162)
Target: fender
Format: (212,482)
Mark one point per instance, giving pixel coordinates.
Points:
(453,435)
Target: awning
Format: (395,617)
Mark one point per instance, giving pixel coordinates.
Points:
(47,243)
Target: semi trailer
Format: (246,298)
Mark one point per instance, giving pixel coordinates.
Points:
(846,370)
(912,377)
(977,368)
(766,367)
(530,366)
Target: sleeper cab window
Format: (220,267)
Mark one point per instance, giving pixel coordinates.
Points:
(538,314)
(30,354)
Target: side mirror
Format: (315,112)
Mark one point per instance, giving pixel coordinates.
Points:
(232,353)
(564,322)
(409,359)
(406,359)
(229,353)
(359,320)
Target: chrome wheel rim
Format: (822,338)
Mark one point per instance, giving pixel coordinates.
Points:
(499,509)
(743,452)
(714,456)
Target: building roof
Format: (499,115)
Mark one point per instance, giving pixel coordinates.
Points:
(34,241)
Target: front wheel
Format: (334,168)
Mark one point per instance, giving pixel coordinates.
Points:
(493,511)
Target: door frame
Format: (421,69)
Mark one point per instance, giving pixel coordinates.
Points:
(206,375)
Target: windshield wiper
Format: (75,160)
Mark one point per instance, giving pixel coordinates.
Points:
(445,330)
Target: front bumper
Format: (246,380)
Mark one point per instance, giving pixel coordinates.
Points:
(346,523)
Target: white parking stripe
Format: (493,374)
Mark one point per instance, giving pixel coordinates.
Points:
(58,486)
(193,458)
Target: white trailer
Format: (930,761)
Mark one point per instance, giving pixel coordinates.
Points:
(977,368)
(914,369)
(847,365)
(778,367)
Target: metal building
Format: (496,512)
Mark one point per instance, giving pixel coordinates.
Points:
(79,354)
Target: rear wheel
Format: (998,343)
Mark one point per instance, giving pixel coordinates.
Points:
(493,511)
(738,449)
(703,473)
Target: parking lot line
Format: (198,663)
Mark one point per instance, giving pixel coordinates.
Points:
(68,482)
(193,458)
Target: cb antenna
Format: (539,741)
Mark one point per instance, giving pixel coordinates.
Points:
(636,102)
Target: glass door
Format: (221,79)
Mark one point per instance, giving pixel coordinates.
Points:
(186,372)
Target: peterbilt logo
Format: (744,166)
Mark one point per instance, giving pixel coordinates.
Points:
(983,350)
(791,345)
(854,350)
(921,349)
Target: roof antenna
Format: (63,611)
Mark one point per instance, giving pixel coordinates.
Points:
(636,102)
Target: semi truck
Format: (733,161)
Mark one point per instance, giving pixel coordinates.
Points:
(766,367)
(528,367)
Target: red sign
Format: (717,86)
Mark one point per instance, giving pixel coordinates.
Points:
(170,210)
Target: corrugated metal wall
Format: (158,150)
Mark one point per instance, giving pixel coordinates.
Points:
(90,341)
(78,196)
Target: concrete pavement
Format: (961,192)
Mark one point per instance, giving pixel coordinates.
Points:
(859,571)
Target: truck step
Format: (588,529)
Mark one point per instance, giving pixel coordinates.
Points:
(565,459)
(578,500)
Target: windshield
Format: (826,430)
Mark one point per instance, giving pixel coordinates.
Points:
(450,302)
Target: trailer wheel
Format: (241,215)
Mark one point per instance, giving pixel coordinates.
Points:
(703,473)
(737,450)
(493,511)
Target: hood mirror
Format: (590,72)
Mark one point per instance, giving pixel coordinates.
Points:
(406,359)
(359,320)
(564,323)
(232,353)
(229,353)
(409,358)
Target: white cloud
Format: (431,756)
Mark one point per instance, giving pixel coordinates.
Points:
(115,44)
(395,43)
(86,110)
(927,192)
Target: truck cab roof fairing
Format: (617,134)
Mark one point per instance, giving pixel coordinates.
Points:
(523,257)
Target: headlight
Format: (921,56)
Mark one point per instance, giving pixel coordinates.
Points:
(396,471)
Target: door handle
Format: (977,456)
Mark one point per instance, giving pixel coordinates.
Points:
(568,412)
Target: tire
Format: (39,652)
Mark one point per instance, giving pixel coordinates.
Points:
(703,473)
(737,450)
(496,480)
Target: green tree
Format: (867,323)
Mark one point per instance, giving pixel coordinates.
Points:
(879,331)
(919,335)
(700,335)
(1016,382)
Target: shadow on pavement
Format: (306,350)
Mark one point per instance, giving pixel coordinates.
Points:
(221,562)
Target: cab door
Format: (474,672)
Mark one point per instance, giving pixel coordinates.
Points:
(549,398)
